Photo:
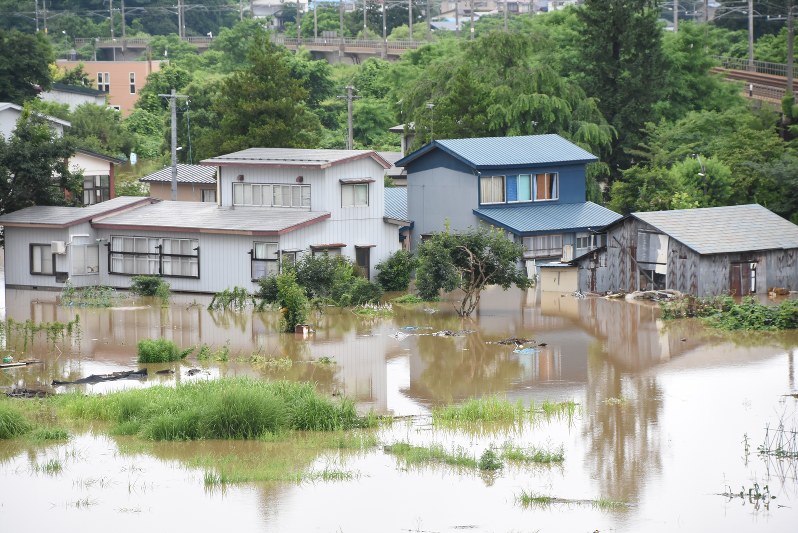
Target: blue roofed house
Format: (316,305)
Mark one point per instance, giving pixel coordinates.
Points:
(531,186)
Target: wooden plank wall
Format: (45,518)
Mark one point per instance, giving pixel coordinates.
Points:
(781,269)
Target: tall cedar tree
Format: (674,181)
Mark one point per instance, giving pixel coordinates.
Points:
(264,106)
(24,65)
(34,169)
(623,67)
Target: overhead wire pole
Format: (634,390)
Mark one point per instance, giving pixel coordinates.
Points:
(315,19)
(471,8)
(173,96)
(349,98)
(410,17)
(384,32)
(790,49)
(365,25)
(675,15)
(751,35)
(457,17)
(37,15)
(505,16)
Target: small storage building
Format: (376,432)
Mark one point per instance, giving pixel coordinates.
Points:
(737,250)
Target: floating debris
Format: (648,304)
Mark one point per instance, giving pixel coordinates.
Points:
(98,378)
(450,333)
(430,310)
(165,371)
(400,336)
(526,351)
(517,341)
(23,392)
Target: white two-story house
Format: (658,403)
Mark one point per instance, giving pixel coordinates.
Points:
(273,205)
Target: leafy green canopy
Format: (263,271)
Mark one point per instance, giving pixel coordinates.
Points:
(469,261)
(24,61)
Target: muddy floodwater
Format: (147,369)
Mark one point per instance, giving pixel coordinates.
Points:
(665,437)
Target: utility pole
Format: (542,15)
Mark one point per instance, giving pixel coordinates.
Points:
(706,11)
(124,43)
(173,96)
(241,9)
(37,15)
(429,22)
(751,35)
(349,98)
(471,4)
(410,17)
(341,17)
(384,32)
(675,15)
(315,19)
(790,49)
(365,25)
(44,8)
(505,16)
(457,17)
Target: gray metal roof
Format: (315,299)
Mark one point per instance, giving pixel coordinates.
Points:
(718,230)
(48,215)
(185,174)
(293,157)
(392,158)
(396,203)
(204,217)
(508,152)
(547,218)
(18,108)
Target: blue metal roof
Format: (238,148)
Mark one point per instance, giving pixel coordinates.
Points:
(396,203)
(507,152)
(547,218)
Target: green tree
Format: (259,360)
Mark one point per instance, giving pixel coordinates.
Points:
(642,188)
(162,82)
(705,182)
(264,106)
(24,65)
(100,129)
(76,76)
(623,66)
(34,167)
(236,42)
(469,261)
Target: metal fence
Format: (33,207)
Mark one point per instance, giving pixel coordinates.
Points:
(762,67)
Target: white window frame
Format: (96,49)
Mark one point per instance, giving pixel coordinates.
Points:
(85,259)
(518,179)
(99,190)
(488,186)
(132,83)
(265,260)
(131,255)
(208,195)
(543,246)
(104,82)
(271,195)
(350,196)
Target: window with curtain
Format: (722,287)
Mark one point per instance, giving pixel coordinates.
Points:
(491,189)
(265,260)
(271,195)
(354,194)
(41,259)
(546,186)
(85,259)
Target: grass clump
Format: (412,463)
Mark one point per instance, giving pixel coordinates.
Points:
(490,409)
(374,311)
(490,460)
(46,434)
(236,299)
(151,286)
(533,499)
(160,351)
(408,299)
(532,455)
(222,355)
(223,409)
(12,423)
(419,455)
(725,313)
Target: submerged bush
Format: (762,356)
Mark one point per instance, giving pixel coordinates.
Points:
(12,423)
(395,271)
(160,351)
(725,313)
(150,286)
(239,408)
(293,302)
(236,298)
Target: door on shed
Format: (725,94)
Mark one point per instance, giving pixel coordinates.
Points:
(363,260)
(742,279)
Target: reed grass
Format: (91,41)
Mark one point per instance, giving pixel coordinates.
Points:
(160,351)
(534,499)
(408,299)
(235,408)
(51,467)
(48,434)
(418,455)
(497,410)
(532,455)
(12,422)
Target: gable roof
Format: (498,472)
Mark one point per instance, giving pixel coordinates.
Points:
(98,155)
(506,152)
(76,89)
(18,108)
(548,218)
(396,203)
(206,217)
(53,216)
(293,158)
(392,158)
(185,174)
(718,230)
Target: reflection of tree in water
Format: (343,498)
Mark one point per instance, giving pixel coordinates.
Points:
(458,368)
(228,317)
(623,438)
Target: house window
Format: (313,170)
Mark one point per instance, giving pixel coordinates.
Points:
(354,194)
(543,246)
(132,83)
(271,195)
(547,187)
(265,260)
(589,241)
(85,259)
(42,259)
(519,188)
(332,251)
(288,258)
(154,256)
(491,189)
(208,195)
(96,189)
(104,82)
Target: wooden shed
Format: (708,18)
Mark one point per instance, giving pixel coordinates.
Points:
(738,250)
(558,277)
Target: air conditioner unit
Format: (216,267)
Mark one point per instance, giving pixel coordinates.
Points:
(567,252)
(58,247)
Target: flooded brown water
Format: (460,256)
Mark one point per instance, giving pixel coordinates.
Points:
(666,410)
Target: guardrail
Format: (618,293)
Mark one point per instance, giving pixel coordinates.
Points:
(762,67)
(373,44)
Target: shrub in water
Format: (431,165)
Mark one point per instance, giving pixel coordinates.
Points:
(159,351)
(267,289)
(394,272)
(150,286)
(293,302)
(489,460)
(12,423)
